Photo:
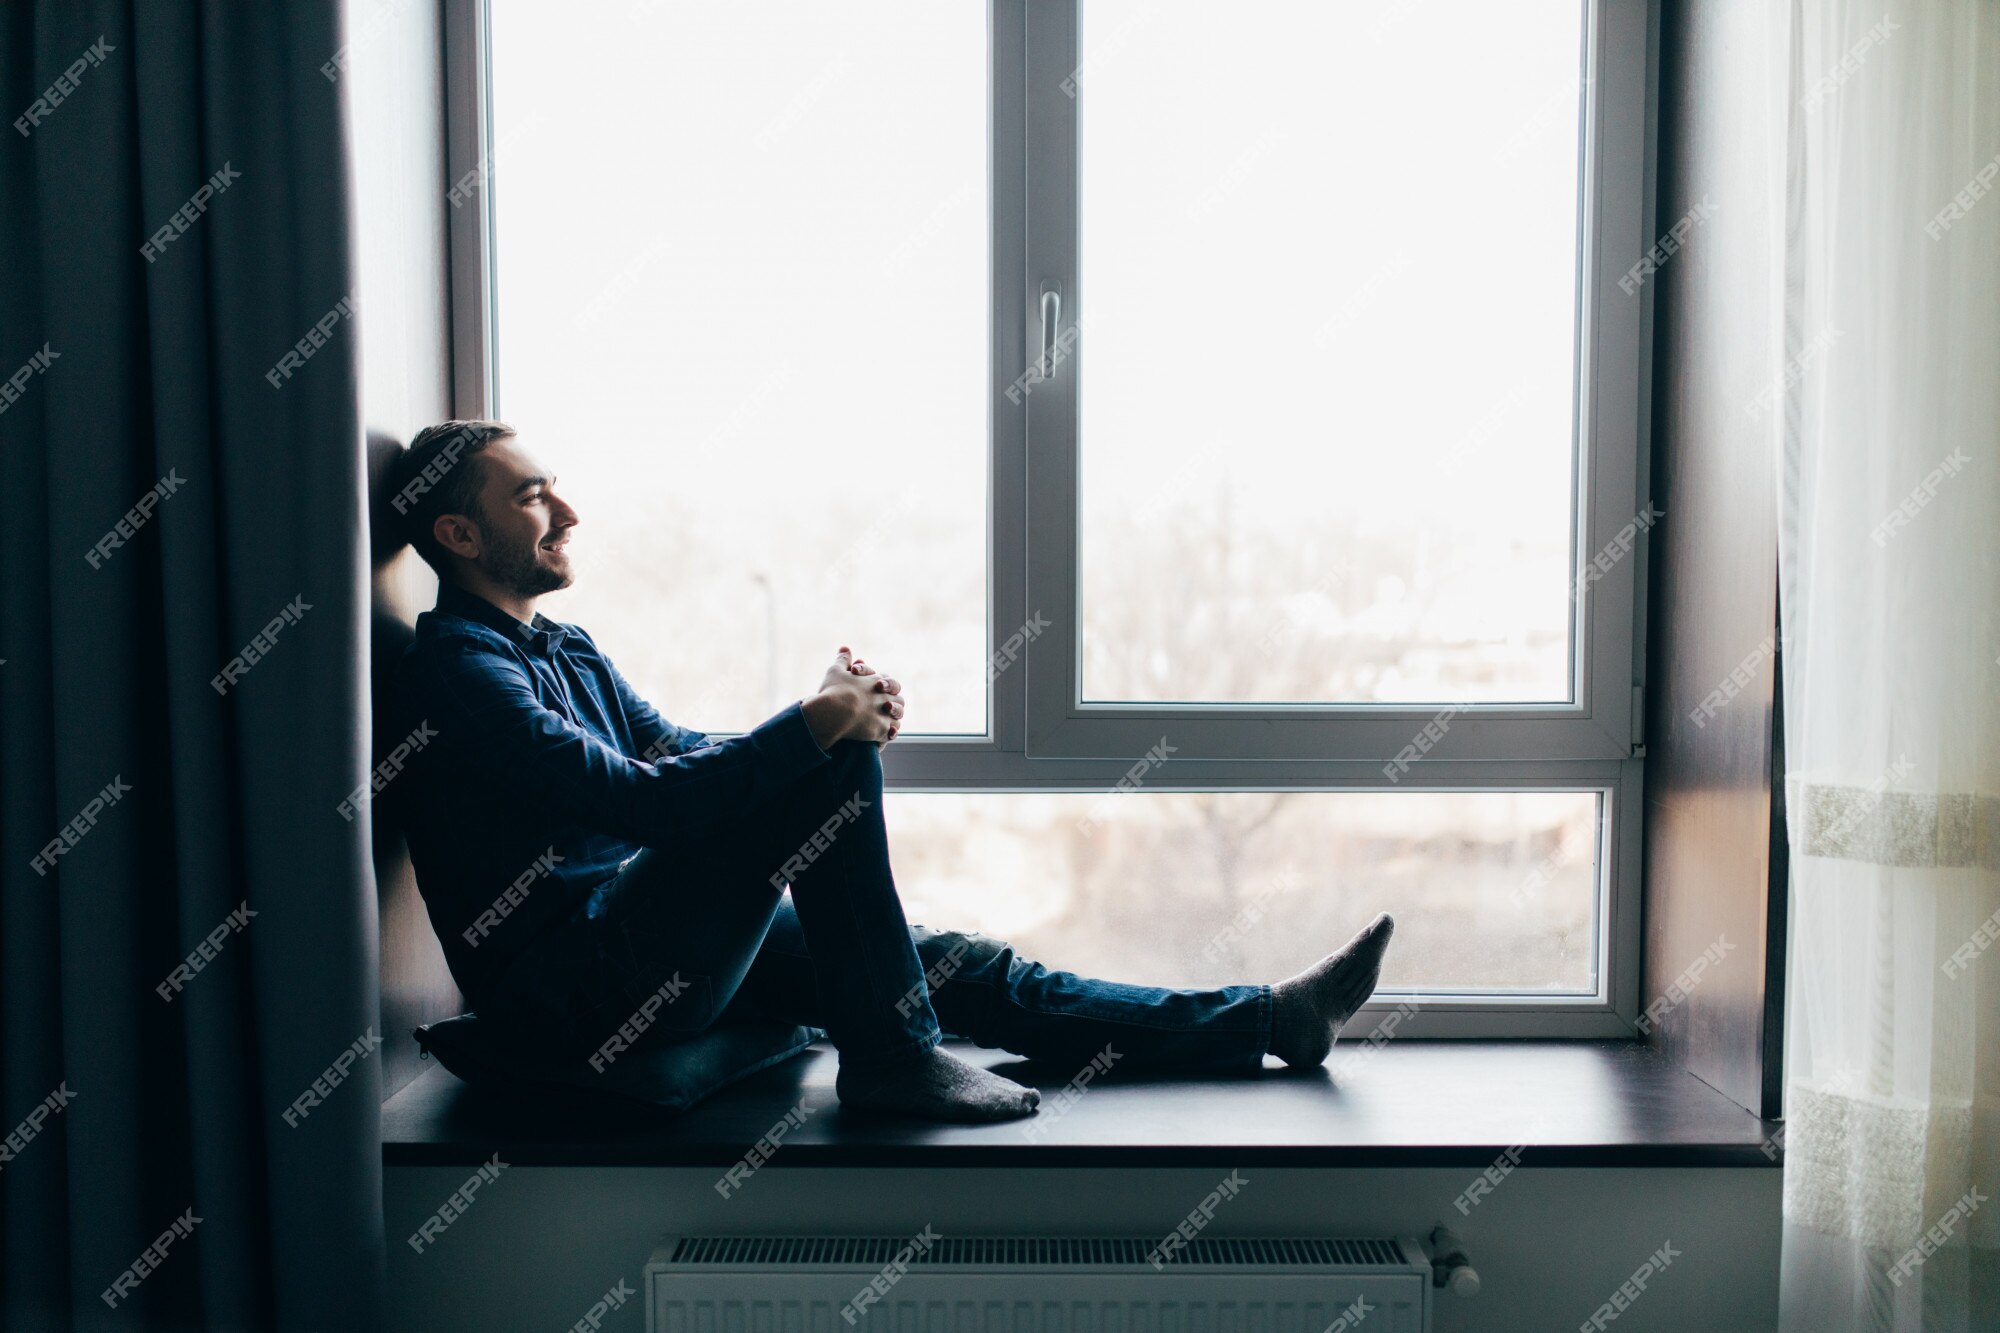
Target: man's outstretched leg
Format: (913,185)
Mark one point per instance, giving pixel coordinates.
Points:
(983,990)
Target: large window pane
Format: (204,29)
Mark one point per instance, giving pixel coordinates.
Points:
(741,278)
(1492,891)
(1328,292)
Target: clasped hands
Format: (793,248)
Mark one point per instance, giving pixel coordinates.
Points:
(855,702)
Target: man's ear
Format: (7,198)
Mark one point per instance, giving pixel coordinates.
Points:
(457,534)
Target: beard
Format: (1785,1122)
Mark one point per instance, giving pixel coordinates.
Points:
(516,566)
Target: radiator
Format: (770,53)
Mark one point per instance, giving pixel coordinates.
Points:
(953,1284)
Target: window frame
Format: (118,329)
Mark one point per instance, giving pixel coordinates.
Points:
(1037,737)
(1600,720)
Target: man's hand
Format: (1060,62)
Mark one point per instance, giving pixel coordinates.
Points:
(854,702)
(893,704)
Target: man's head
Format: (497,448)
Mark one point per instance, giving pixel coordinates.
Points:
(482,511)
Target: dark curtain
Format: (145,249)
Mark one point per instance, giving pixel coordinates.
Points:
(160,1125)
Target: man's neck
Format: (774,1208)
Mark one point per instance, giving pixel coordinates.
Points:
(515,605)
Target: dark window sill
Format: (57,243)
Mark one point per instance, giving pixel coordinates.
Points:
(1411,1103)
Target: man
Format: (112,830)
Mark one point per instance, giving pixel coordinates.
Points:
(581,855)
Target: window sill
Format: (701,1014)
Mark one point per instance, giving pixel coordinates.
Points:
(1412,1103)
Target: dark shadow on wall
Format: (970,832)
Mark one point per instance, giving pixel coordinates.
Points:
(1715,865)
(416,985)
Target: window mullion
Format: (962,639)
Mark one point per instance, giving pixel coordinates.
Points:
(1009,537)
(1047,403)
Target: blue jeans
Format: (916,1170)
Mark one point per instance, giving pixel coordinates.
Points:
(713,933)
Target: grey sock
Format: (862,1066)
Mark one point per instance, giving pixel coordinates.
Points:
(936,1085)
(1308,1009)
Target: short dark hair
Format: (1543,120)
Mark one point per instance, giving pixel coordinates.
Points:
(428,480)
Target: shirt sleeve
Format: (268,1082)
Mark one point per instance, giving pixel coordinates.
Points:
(502,737)
(655,736)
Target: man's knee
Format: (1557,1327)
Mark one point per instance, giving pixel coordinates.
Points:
(848,785)
(946,953)
(850,781)
(863,754)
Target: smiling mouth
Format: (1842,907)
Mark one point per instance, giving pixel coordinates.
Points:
(558,544)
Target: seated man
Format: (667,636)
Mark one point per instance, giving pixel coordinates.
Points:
(580,854)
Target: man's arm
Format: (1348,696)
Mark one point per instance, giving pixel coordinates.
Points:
(486,712)
(654,735)
(845,706)
(675,741)
(657,737)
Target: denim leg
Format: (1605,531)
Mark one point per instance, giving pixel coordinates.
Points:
(834,852)
(838,953)
(698,915)
(665,926)
(984,991)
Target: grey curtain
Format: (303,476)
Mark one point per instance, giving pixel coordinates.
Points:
(188,1004)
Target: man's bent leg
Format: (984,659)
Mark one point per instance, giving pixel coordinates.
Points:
(654,953)
(833,849)
(867,982)
(702,913)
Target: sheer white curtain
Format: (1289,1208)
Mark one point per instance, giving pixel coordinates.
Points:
(1889,451)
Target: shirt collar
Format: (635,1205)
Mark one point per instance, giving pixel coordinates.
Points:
(544,635)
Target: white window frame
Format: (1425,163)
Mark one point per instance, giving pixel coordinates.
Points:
(1039,737)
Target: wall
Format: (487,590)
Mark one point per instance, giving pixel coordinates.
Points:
(1709,843)
(539,1245)
(395,60)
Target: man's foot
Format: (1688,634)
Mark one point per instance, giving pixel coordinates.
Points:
(936,1085)
(1308,1009)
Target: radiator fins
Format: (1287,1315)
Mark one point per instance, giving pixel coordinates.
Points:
(805,1252)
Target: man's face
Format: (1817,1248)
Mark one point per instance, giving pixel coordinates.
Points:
(525,531)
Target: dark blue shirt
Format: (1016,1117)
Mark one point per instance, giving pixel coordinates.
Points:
(545,773)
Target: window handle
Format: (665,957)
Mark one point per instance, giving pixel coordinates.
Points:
(1051,321)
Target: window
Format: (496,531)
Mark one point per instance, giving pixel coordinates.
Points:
(1304,365)
(1226,419)
(756,335)
(1495,891)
